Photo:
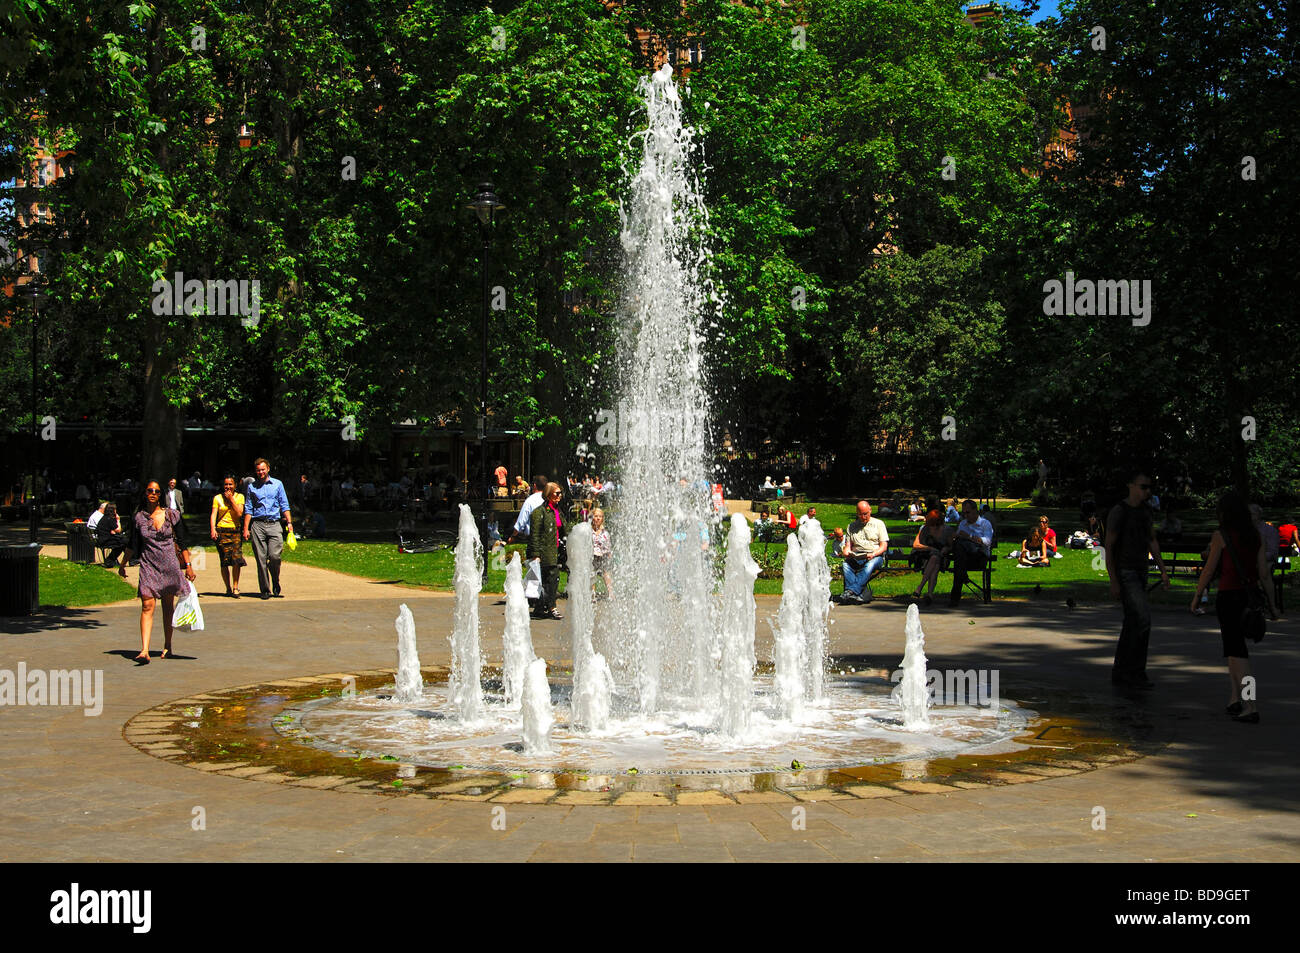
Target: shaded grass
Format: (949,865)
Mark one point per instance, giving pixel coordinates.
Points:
(73,584)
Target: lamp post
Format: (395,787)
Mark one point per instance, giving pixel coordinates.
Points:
(486,205)
(34,290)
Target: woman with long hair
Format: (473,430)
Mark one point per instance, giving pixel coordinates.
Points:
(226,522)
(1237,552)
(157,535)
(602,551)
(1033,550)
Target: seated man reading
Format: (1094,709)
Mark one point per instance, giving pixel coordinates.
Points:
(865,543)
(970,548)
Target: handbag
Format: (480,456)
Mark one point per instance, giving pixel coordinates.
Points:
(533,580)
(188,614)
(1252,621)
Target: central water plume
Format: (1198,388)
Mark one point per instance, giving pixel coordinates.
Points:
(738,630)
(591,676)
(410,684)
(662,563)
(912,693)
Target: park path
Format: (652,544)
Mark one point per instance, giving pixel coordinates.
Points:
(299,583)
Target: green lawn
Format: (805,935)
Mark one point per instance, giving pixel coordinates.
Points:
(1076,575)
(72,584)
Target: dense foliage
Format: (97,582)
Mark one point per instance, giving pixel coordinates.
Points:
(883,217)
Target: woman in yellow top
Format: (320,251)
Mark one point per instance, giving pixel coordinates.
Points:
(226,522)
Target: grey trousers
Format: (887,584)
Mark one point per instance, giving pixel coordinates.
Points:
(268,543)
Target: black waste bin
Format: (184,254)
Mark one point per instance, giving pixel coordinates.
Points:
(19,592)
(81,546)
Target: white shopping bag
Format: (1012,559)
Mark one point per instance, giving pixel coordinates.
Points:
(188,615)
(533,580)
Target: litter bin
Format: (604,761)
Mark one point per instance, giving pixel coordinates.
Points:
(81,548)
(19,592)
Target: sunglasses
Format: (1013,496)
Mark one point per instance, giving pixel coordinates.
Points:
(147,492)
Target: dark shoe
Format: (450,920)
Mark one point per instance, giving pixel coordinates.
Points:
(554,614)
(277,595)
(1234,709)
(953,600)
(927,600)
(264,595)
(1251,719)
(866,595)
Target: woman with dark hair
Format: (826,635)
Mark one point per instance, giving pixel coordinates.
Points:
(226,522)
(1033,550)
(1236,552)
(157,534)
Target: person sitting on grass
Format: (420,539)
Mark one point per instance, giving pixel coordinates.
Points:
(916,512)
(928,552)
(1049,537)
(1033,551)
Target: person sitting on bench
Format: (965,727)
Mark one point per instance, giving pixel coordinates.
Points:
(865,543)
(928,551)
(970,548)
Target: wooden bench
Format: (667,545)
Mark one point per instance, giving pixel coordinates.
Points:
(982,588)
(1187,552)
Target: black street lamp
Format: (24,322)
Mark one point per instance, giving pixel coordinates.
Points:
(486,205)
(33,289)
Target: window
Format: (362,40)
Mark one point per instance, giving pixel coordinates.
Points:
(43,214)
(44,172)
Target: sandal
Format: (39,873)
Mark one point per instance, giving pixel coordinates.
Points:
(1234,709)
(235,592)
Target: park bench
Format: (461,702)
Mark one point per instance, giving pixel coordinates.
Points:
(979,582)
(1184,557)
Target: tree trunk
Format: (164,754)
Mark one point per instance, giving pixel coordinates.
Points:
(160,438)
(553,453)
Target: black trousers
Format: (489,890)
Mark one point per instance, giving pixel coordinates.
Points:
(965,557)
(550,588)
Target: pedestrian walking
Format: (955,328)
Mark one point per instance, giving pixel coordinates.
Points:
(225,523)
(1130,536)
(157,536)
(265,505)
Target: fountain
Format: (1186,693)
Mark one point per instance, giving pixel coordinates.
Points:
(738,630)
(663,581)
(675,688)
(410,684)
(465,682)
(591,677)
(518,647)
(538,717)
(912,694)
(789,646)
(817,605)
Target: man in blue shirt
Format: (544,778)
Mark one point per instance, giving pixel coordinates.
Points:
(523,527)
(970,547)
(265,504)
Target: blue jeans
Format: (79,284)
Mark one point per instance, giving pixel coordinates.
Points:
(1131,651)
(858,571)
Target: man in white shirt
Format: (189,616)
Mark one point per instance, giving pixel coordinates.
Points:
(970,548)
(95,517)
(523,525)
(865,542)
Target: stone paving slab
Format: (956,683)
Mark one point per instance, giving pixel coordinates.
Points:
(73,787)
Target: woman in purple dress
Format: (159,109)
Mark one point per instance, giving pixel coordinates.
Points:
(157,535)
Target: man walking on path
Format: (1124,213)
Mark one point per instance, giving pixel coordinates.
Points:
(175,498)
(1130,536)
(265,504)
(523,525)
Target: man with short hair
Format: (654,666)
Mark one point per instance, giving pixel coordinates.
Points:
(265,505)
(865,542)
(1130,536)
(174,499)
(970,548)
(810,515)
(523,525)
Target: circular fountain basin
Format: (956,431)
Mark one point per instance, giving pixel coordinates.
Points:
(857,723)
(344,732)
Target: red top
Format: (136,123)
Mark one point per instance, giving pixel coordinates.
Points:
(1286,534)
(1228,577)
